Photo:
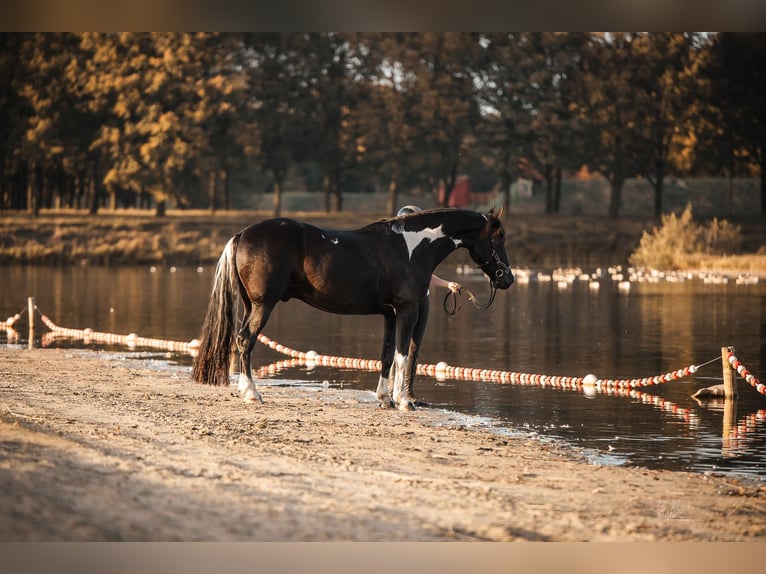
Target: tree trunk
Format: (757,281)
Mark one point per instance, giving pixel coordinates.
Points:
(557,191)
(548,174)
(32,204)
(506,181)
(393,197)
(658,192)
(615,198)
(225,186)
(326,192)
(763,182)
(276,198)
(212,191)
(336,188)
(337,197)
(94,191)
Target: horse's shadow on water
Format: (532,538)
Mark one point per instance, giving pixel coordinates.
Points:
(383,268)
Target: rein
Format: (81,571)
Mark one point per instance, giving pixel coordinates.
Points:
(455,306)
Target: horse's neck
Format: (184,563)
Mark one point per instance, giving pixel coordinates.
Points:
(444,248)
(439,236)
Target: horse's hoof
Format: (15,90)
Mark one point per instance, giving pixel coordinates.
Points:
(253,397)
(406,406)
(386,403)
(422,403)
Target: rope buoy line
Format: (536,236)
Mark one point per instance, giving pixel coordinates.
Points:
(745,374)
(440,370)
(443,370)
(131,340)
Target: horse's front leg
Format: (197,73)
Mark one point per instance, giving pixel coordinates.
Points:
(384,390)
(417,339)
(405,325)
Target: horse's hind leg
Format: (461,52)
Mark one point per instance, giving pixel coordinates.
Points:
(253,322)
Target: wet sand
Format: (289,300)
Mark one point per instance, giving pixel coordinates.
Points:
(97,447)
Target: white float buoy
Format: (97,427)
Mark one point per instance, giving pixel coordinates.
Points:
(590,385)
(589,380)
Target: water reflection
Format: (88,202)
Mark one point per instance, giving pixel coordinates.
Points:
(650,329)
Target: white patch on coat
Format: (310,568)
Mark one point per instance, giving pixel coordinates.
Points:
(333,240)
(414,238)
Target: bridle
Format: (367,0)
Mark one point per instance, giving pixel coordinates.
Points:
(501,270)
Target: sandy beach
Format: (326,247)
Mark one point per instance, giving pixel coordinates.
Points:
(98,447)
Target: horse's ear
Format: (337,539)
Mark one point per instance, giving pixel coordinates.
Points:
(487,225)
(499,213)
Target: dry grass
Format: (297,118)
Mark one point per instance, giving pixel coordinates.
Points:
(682,243)
(130,237)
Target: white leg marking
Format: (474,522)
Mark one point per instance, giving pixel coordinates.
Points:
(401,364)
(243,383)
(382,391)
(248,389)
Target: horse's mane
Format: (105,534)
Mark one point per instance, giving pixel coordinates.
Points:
(425,214)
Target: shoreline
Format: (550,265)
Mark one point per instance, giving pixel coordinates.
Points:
(97,447)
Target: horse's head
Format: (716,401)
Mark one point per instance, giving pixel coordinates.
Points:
(488,251)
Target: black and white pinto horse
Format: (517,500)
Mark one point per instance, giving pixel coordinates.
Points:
(381,269)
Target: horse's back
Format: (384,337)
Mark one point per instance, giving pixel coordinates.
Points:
(333,270)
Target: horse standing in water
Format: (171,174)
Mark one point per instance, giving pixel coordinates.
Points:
(381,269)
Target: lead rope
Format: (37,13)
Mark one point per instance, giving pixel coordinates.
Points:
(455,305)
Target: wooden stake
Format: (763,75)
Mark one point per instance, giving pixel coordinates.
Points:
(730,390)
(729,440)
(31,316)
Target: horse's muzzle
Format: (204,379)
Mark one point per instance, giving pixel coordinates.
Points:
(503,279)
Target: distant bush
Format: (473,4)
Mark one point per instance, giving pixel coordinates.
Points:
(680,242)
(721,237)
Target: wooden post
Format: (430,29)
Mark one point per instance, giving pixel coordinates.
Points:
(729,388)
(729,440)
(31,316)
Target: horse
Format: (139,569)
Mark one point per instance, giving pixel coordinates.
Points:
(383,269)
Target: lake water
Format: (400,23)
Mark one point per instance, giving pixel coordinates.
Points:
(538,327)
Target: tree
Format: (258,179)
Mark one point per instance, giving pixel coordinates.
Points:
(554,131)
(524,90)
(14,114)
(166,102)
(665,80)
(506,119)
(382,121)
(605,106)
(276,78)
(737,87)
(443,67)
(327,101)
(59,127)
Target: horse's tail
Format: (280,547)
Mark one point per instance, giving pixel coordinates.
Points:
(211,366)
